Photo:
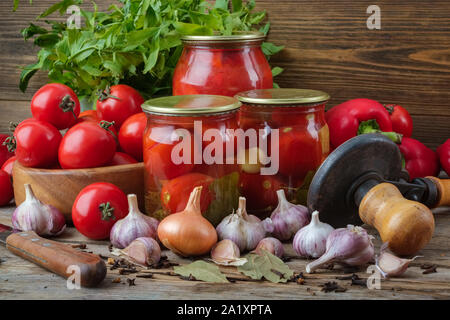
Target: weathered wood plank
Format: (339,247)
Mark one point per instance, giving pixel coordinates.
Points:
(21,279)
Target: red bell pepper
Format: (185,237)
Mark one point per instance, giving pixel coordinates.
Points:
(344,119)
(420,161)
(444,156)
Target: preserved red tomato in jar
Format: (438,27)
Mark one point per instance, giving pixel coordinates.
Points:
(292,141)
(222,65)
(185,146)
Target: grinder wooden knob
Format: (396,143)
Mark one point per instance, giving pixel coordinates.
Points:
(443,186)
(407,225)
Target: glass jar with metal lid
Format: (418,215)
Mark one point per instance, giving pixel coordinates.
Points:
(223,65)
(294,138)
(185,145)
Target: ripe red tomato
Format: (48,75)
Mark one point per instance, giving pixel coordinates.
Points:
(56,104)
(158,155)
(88,115)
(175,193)
(4,153)
(8,165)
(6,189)
(260,191)
(87,145)
(131,133)
(118,103)
(97,208)
(299,152)
(37,143)
(401,120)
(121,158)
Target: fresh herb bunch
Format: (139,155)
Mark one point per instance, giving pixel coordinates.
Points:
(137,43)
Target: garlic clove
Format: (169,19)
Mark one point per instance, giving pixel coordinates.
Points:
(390,265)
(243,229)
(144,251)
(270,244)
(310,241)
(286,219)
(133,226)
(350,246)
(33,215)
(227,253)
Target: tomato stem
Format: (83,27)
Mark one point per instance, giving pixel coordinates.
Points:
(106,125)
(13,126)
(10,143)
(389,108)
(106,94)
(67,104)
(107,211)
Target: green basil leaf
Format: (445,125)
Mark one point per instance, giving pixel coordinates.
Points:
(46,40)
(150,61)
(31,69)
(236,5)
(191,29)
(32,30)
(270,49)
(276,71)
(221,4)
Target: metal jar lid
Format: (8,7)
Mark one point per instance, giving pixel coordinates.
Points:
(191,105)
(237,37)
(283,96)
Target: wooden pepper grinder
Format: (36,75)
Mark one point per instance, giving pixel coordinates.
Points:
(362,181)
(407,225)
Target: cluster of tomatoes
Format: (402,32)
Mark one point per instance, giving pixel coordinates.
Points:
(110,135)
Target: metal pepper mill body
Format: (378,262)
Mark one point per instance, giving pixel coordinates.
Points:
(363,181)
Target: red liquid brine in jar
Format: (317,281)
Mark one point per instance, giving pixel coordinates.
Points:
(222,65)
(293,130)
(180,154)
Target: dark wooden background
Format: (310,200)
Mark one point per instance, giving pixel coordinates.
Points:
(328,47)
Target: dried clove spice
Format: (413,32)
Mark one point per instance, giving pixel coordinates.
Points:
(298,278)
(131,282)
(163,263)
(145,276)
(116,280)
(332,286)
(356,280)
(430,269)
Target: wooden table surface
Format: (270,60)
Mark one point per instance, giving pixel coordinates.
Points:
(20,279)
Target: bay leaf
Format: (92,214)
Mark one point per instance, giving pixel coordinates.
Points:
(202,271)
(266,265)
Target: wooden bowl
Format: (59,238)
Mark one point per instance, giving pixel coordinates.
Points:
(60,187)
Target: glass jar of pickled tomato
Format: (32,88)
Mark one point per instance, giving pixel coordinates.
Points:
(223,65)
(293,140)
(185,145)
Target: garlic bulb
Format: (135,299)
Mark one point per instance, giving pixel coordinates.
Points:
(227,253)
(243,229)
(272,245)
(33,215)
(350,246)
(311,240)
(144,251)
(390,265)
(133,226)
(286,219)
